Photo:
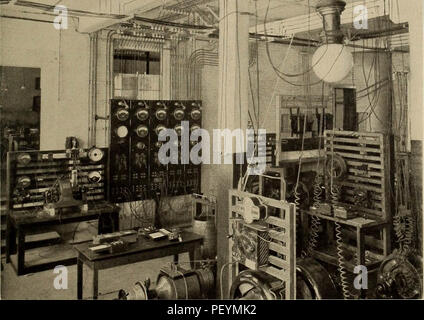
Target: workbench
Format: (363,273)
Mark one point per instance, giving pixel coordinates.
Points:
(21,223)
(144,249)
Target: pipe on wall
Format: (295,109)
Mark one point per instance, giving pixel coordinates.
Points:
(92,106)
(109,78)
(90,87)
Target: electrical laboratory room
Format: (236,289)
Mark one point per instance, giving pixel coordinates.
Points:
(211,150)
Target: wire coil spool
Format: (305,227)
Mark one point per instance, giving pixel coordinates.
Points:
(335,167)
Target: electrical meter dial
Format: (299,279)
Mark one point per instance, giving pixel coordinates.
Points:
(122,114)
(179,114)
(141,146)
(194,127)
(142,131)
(161,114)
(195,114)
(159,128)
(95,154)
(178,129)
(121,131)
(142,114)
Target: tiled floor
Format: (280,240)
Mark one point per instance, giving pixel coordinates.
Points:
(39,286)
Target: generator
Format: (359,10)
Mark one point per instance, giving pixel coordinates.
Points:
(174,282)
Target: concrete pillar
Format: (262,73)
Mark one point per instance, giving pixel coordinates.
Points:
(232,104)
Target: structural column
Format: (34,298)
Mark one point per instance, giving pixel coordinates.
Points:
(232,105)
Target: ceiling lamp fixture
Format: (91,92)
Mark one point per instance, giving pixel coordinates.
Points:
(332,61)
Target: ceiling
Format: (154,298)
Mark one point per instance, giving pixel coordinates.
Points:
(97,14)
(278,9)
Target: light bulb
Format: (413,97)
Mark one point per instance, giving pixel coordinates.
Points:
(332,62)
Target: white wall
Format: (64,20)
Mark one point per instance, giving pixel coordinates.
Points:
(64,75)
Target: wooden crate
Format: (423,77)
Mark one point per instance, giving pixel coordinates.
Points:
(367,156)
(44,169)
(281,240)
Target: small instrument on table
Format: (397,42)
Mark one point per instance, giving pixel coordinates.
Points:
(114,242)
(61,197)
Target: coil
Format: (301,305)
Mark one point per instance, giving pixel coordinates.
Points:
(341,262)
(335,194)
(315,221)
(404,226)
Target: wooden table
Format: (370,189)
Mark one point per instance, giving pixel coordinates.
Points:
(20,223)
(143,249)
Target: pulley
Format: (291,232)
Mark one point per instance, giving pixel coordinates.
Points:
(335,166)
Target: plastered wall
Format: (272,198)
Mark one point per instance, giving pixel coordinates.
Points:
(63,58)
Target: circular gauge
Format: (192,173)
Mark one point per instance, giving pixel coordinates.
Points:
(95,154)
(178,129)
(122,131)
(24,182)
(193,128)
(142,114)
(159,128)
(122,114)
(141,145)
(142,131)
(94,177)
(196,114)
(161,114)
(23,158)
(179,114)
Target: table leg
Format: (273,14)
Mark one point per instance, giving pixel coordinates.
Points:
(21,251)
(95,283)
(10,239)
(80,271)
(192,257)
(115,221)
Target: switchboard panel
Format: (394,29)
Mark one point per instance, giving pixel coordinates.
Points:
(136,171)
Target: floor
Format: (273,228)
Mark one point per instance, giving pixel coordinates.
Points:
(40,285)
